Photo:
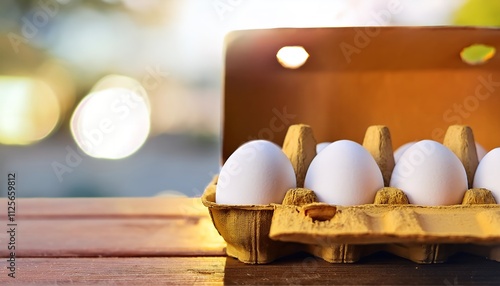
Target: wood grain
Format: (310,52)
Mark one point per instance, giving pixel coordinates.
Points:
(42,208)
(117,271)
(117,237)
(123,242)
(379,269)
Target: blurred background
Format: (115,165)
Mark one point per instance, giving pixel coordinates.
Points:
(123,97)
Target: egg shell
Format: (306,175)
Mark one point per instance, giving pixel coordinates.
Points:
(481,152)
(430,174)
(401,150)
(344,173)
(488,173)
(321,146)
(257,173)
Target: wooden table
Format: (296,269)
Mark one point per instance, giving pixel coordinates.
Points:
(155,241)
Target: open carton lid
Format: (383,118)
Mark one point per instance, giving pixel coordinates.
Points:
(411,79)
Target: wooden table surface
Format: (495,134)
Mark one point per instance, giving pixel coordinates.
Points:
(161,241)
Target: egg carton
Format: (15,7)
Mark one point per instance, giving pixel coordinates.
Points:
(259,234)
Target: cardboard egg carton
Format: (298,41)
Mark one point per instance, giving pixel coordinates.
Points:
(338,234)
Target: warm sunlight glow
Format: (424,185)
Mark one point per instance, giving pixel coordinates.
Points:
(112,122)
(292,57)
(29,110)
(115,80)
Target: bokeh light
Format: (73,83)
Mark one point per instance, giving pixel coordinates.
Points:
(58,77)
(29,110)
(115,80)
(112,121)
(292,57)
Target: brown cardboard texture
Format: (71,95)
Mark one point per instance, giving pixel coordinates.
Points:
(410,79)
(246,230)
(424,234)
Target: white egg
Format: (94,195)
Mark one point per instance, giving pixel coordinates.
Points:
(321,146)
(257,173)
(430,174)
(344,173)
(481,152)
(399,152)
(487,173)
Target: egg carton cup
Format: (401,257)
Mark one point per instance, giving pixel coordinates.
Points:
(245,228)
(344,234)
